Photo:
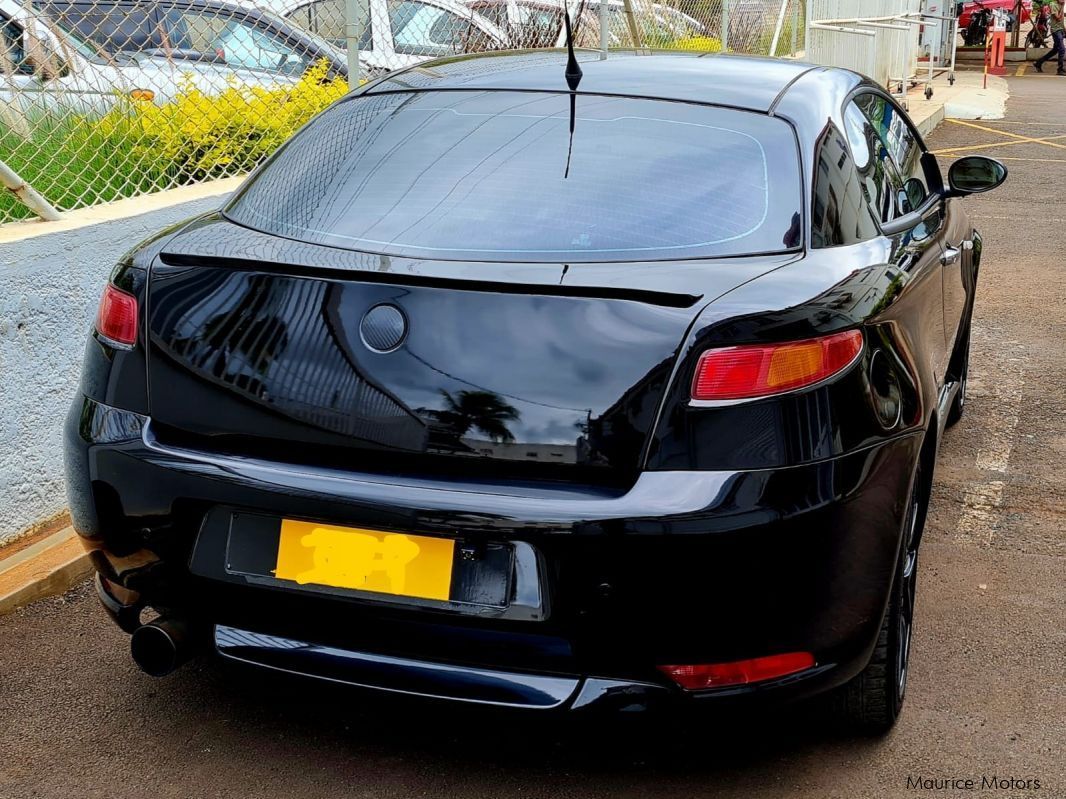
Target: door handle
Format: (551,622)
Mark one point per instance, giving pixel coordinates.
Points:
(949,256)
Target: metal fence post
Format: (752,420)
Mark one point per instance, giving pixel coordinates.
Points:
(795,26)
(354,25)
(807,12)
(604,37)
(778,27)
(634,31)
(725,25)
(27,195)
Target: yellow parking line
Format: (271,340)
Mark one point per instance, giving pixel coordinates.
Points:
(1037,160)
(1018,158)
(968,147)
(1021,70)
(1029,124)
(1028,139)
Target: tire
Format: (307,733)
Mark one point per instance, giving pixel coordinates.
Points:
(871,702)
(958,405)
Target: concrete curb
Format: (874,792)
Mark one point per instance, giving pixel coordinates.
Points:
(49,567)
(118,209)
(931,122)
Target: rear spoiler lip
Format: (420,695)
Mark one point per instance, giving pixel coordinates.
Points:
(647,296)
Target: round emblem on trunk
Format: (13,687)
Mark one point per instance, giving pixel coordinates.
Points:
(383,329)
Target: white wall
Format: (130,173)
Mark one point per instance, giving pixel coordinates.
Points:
(51,276)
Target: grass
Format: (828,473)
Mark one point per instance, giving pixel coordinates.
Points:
(75,162)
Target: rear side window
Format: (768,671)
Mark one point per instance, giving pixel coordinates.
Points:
(424,29)
(881,182)
(13,59)
(495,176)
(112,27)
(234,41)
(895,176)
(326,18)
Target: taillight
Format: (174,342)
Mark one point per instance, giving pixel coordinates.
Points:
(760,370)
(116,320)
(738,672)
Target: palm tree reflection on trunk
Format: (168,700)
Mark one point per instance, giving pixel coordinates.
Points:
(484,411)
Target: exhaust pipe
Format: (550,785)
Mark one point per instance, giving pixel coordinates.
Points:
(161,646)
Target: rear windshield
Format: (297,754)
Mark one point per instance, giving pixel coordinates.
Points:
(499,176)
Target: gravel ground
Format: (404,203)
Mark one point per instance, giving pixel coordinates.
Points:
(986,697)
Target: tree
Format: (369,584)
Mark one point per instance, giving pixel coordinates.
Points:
(485,411)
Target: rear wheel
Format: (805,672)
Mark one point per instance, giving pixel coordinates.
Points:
(872,700)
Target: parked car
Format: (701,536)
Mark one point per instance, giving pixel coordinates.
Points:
(471,393)
(82,55)
(539,23)
(399,33)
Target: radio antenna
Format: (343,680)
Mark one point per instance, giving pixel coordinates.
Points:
(573,69)
(573,78)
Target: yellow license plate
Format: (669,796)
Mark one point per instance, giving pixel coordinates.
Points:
(365,560)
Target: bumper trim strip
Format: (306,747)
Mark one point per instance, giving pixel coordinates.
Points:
(395,674)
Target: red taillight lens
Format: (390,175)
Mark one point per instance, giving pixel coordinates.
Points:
(117,318)
(739,672)
(760,370)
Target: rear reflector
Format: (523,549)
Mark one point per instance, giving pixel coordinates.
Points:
(759,370)
(739,672)
(116,320)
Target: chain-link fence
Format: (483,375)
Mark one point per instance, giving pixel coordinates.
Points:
(105,99)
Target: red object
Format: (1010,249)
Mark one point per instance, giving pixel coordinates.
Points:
(763,370)
(739,672)
(1005,5)
(997,54)
(116,319)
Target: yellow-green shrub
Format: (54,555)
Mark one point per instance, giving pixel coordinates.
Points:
(137,147)
(200,136)
(702,44)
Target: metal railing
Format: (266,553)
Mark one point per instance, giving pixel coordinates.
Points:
(101,100)
(878,38)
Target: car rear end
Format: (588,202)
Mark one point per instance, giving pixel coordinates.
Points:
(388,422)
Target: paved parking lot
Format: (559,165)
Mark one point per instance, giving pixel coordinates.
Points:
(988,683)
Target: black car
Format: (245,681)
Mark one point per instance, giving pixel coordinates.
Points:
(511,385)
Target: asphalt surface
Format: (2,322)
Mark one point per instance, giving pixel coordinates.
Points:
(987,695)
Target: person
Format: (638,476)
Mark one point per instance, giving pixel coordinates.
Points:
(1058,36)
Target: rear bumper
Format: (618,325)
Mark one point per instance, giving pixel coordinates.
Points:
(470,684)
(685,567)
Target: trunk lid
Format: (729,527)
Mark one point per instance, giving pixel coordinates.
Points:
(294,352)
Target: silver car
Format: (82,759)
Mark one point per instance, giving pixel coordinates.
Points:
(399,33)
(83,56)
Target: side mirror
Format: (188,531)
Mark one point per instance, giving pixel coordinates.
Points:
(912,195)
(975,174)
